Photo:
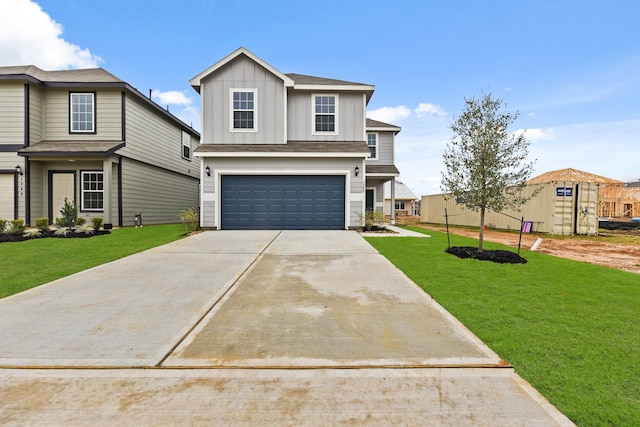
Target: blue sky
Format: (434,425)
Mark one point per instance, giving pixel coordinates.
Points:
(572,69)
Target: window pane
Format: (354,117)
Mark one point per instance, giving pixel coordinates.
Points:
(92,191)
(325,108)
(81,114)
(243,110)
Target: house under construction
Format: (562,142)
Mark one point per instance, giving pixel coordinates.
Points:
(615,198)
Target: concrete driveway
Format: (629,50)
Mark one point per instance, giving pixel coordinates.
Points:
(251,327)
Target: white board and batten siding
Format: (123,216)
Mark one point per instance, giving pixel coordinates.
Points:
(562,208)
(350,117)
(216,92)
(385,151)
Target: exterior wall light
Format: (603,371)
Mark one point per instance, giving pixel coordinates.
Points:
(19,170)
(208,170)
(357,170)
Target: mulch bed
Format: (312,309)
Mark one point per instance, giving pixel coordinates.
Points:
(500,256)
(70,235)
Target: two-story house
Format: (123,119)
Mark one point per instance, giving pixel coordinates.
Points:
(87,136)
(288,151)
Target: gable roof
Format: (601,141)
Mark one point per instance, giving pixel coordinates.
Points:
(572,175)
(35,74)
(195,81)
(305,82)
(296,81)
(86,77)
(381,126)
(403,192)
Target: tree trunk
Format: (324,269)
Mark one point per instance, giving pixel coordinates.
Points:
(481,239)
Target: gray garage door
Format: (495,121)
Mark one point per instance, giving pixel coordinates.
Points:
(283,202)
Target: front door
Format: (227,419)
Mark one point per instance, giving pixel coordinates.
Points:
(369,200)
(7,195)
(61,186)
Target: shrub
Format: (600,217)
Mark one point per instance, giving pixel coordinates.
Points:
(62,231)
(42,224)
(97,223)
(81,221)
(191,217)
(3,225)
(69,214)
(34,233)
(17,226)
(371,218)
(84,228)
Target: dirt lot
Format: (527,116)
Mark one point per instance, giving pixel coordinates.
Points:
(621,256)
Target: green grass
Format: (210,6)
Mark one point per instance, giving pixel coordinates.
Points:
(571,329)
(31,263)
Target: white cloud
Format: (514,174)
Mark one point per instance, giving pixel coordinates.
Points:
(389,114)
(425,110)
(187,112)
(537,134)
(28,36)
(171,97)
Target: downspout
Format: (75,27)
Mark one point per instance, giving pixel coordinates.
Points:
(27,139)
(119,191)
(393,201)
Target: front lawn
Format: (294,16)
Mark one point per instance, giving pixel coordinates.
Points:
(34,262)
(571,329)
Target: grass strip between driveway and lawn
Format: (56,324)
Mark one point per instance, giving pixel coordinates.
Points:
(33,262)
(569,328)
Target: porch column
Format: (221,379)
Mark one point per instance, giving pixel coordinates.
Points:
(393,201)
(107,170)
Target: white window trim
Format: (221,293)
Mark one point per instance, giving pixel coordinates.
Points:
(377,144)
(186,143)
(313,114)
(94,112)
(82,191)
(255,109)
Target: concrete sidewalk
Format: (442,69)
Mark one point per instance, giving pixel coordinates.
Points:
(251,328)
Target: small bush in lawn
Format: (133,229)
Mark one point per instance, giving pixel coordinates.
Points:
(81,221)
(3,225)
(42,224)
(190,217)
(97,223)
(17,227)
(69,214)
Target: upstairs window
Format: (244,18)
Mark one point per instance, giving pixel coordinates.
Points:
(93,191)
(372,142)
(82,113)
(325,117)
(243,111)
(186,145)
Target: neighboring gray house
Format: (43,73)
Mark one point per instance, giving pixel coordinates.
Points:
(88,136)
(287,151)
(405,200)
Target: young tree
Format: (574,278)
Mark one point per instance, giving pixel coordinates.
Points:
(485,163)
